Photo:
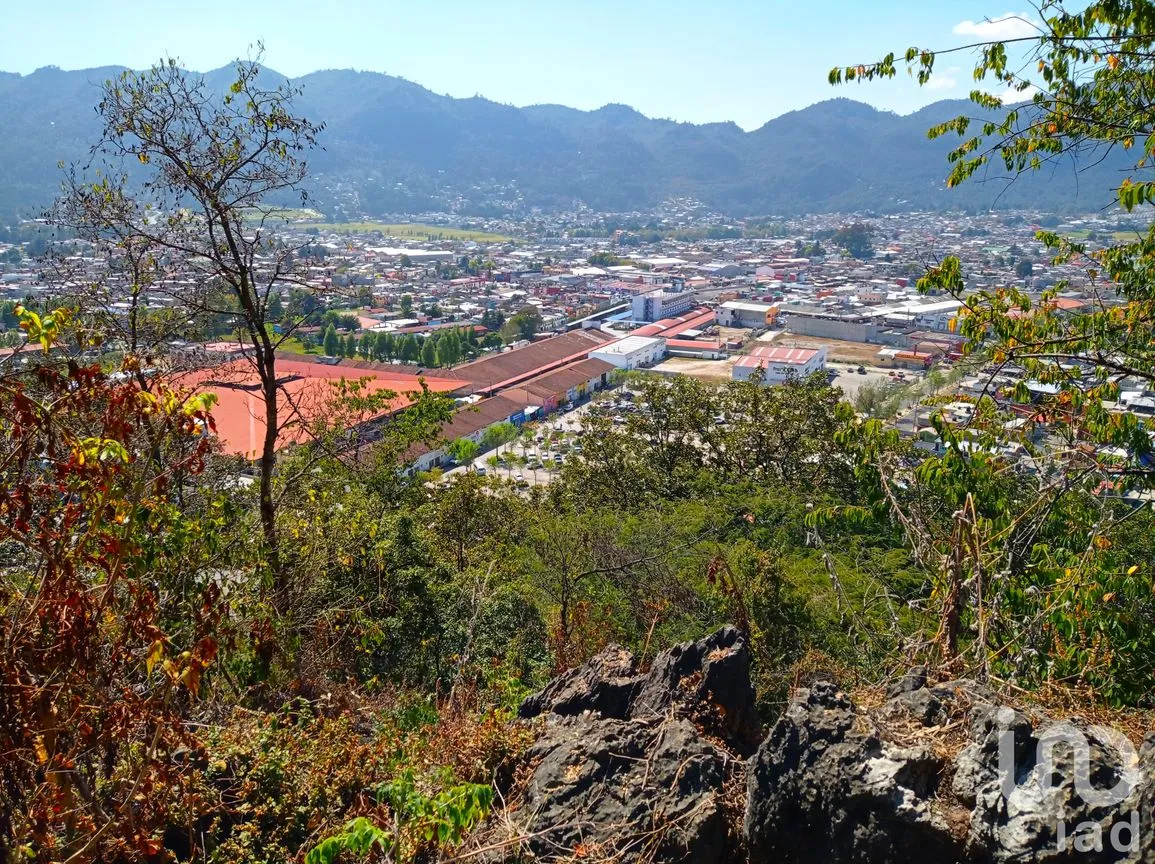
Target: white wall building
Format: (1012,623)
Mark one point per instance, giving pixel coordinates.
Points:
(632,352)
(777,364)
(656,305)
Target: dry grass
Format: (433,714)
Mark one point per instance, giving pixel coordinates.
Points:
(707,370)
(837,350)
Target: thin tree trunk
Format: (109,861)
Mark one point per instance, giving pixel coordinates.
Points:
(267,464)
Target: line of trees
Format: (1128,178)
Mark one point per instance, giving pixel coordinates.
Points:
(440,348)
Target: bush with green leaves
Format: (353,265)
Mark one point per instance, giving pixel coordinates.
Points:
(421,821)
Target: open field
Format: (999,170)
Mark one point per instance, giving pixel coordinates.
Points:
(286,213)
(836,349)
(293,345)
(725,334)
(407,231)
(1115,236)
(707,370)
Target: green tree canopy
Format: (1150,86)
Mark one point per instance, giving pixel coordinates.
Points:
(856,238)
(332,342)
(1063,591)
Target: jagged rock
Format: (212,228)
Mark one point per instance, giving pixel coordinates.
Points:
(622,768)
(911,682)
(819,791)
(822,788)
(713,671)
(922,705)
(709,678)
(606,685)
(624,789)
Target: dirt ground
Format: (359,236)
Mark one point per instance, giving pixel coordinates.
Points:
(836,349)
(710,370)
(728,333)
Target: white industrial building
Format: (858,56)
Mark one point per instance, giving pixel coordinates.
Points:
(632,352)
(777,364)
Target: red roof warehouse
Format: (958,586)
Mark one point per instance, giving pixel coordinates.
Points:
(305,395)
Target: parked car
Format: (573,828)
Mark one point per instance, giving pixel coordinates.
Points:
(861,370)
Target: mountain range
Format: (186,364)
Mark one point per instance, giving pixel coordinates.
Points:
(393,146)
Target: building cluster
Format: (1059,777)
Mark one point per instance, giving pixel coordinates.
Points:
(552,314)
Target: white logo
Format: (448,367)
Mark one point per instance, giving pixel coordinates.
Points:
(1048,774)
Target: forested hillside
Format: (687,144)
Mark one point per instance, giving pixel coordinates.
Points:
(402,148)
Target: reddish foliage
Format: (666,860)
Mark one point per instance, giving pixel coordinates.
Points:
(93,748)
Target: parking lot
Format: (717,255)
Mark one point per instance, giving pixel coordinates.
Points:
(536,460)
(851,381)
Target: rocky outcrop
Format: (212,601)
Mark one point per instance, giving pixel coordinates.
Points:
(633,766)
(606,686)
(708,680)
(713,673)
(819,790)
(647,766)
(834,783)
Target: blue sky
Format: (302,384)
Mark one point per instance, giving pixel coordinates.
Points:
(740,60)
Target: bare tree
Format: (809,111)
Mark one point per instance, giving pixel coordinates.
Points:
(180,182)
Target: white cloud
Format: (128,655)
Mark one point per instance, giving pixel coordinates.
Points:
(947,79)
(1011,96)
(1009,26)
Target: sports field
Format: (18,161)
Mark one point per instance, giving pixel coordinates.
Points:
(407,231)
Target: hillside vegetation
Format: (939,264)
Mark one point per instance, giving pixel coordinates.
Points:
(322,662)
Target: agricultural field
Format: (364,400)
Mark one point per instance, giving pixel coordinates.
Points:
(288,214)
(1104,236)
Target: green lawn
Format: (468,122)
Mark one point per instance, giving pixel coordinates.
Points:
(1116,236)
(407,231)
(293,345)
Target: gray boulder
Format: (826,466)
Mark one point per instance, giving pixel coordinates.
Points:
(817,790)
(605,685)
(712,673)
(1079,803)
(707,680)
(624,768)
(626,790)
(827,785)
